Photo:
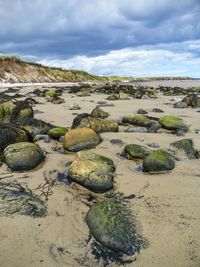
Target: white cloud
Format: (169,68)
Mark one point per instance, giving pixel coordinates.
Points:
(143,61)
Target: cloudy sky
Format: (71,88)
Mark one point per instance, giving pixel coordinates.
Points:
(106,37)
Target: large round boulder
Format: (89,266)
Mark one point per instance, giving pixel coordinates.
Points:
(187,146)
(23,156)
(135,151)
(10,134)
(158,162)
(10,111)
(137,120)
(81,138)
(57,132)
(173,123)
(112,226)
(97,124)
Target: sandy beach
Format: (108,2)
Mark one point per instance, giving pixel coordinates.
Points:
(166,205)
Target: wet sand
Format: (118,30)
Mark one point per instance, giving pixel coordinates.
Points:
(166,205)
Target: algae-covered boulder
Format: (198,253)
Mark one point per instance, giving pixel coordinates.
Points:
(81,138)
(57,132)
(82,94)
(98,125)
(10,111)
(17,202)
(10,134)
(135,151)
(122,96)
(88,155)
(173,123)
(23,156)
(92,171)
(137,120)
(187,146)
(111,225)
(192,100)
(50,93)
(158,161)
(34,126)
(99,113)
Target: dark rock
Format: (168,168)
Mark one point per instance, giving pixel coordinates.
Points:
(158,162)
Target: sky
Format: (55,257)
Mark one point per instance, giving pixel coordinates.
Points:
(105,37)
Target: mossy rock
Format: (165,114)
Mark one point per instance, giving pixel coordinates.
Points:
(137,120)
(98,125)
(10,134)
(57,132)
(158,162)
(23,156)
(10,111)
(95,175)
(6,109)
(192,100)
(135,151)
(80,139)
(34,126)
(82,94)
(173,123)
(122,96)
(110,223)
(50,93)
(87,155)
(17,202)
(187,146)
(99,113)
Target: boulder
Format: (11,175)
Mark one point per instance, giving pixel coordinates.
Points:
(137,120)
(10,134)
(93,171)
(173,123)
(110,223)
(34,126)
(99,113)
(192,100)
(98,125)
(135,151)
(80,139)
(50,93)
(23,156)
(187,146)
(57,132)
(158,162)
(10,111)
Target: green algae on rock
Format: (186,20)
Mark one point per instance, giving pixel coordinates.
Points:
(158,162)
(51,93)
(137,120)
(80,139)
(95,176)
(10,111)
(23,156)
(99,113)
(57,132)
(135,151)
(98,125)
(10,134)
(87,155)
(110,223)
(17,202)
(187,146)
(33,126)
(173,123)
